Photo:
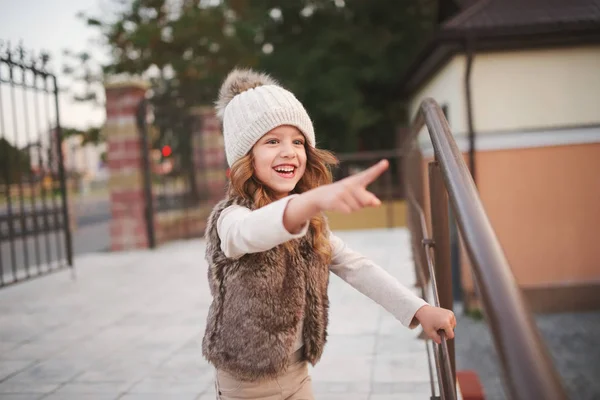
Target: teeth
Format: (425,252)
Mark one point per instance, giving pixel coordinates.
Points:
(284,169)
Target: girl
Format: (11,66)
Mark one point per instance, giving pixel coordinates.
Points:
(270,252)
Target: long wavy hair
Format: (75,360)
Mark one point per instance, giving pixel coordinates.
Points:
(244,183)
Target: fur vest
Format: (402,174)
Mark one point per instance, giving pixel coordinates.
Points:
(258,302)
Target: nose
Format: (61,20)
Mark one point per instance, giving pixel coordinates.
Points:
(287,150)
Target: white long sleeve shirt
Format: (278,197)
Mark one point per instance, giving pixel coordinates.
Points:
(244,231)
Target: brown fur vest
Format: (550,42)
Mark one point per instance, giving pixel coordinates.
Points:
(258,301)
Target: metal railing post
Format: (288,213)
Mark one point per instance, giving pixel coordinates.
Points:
(441,237)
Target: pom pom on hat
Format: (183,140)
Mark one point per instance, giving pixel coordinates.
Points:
(250,104)
(238,81)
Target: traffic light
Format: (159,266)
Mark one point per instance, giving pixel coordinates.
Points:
(166,151)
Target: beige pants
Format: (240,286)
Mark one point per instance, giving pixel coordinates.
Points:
(295,384)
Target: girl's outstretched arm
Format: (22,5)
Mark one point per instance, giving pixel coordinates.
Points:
(243,231)
(377,284)
(346,196)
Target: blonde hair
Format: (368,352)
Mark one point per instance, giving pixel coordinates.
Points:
(243,183)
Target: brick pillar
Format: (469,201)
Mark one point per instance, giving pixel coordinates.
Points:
(209,155)
(124,154)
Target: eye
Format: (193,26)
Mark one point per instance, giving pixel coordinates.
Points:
(299,142)
(271,141)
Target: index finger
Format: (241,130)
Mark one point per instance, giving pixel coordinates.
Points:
(369,175)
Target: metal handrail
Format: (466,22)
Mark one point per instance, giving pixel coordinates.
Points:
(526,365)
(441,356)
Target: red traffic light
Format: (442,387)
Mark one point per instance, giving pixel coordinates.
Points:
(166,150)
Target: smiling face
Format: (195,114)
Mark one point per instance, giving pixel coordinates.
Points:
(280,159)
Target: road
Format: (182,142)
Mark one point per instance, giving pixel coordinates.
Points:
(91,235)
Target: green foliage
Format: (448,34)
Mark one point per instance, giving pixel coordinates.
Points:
(343,59)
(14,163)
(476,313)
(91,135)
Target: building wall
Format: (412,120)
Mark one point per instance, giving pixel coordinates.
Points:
(537,120)
(535,89)
(391,214)
(447,88)
(542,201)
(544,206)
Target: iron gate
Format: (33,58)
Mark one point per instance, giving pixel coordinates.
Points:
(173,201)
(35,236)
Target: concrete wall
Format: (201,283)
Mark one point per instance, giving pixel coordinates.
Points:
(447,87)
(535,89)
(537,120)
(543,203)
(391,214)
(519,91)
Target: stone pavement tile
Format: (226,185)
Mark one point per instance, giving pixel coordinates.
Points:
(398,345)
(180,375)
(80,396)
(340,388)
(50,371)
(93,388)
(168,388)
(112,374)
(33,351)
(15,331)
(146,355)
(71,332)
(407,368)
(357,316)
(6,346)
(12,367)
(147,396)
(346,345)
(342,369)
(183,367)
(393,388)
(21,396)
(181,380)
(11,386)
(177,374)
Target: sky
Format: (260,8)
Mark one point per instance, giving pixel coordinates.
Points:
(52,25)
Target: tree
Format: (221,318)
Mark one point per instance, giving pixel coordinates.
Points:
(89,136)
(14,163)
(343,59)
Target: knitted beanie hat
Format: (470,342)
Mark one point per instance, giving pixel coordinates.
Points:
(251,104)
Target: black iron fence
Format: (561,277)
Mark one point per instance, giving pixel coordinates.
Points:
(178,191)
(35,236)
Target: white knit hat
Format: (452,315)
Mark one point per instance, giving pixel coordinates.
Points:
(251,104)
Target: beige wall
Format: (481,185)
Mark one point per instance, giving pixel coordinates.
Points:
(390,214)
(447,87)
(544,204)
(537,119)
(519,91)
(536,89)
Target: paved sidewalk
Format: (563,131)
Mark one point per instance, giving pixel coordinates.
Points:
(130,327)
